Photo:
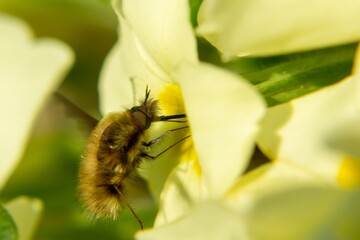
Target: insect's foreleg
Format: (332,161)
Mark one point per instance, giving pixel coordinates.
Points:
(158,139)
(145,155)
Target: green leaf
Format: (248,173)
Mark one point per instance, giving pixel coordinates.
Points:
(286,77)
(8,230)
(194,8)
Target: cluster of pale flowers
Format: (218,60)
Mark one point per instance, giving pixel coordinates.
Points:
(309,190)
(309,187)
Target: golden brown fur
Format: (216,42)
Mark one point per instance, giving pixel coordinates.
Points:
(112,153)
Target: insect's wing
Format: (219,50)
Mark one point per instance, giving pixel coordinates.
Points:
(76,112)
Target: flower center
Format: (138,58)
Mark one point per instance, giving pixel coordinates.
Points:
(171,102)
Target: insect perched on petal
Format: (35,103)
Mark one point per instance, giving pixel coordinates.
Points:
(114,151)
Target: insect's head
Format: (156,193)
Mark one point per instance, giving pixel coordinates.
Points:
(146,112)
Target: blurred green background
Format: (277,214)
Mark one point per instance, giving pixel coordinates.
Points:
(49,168)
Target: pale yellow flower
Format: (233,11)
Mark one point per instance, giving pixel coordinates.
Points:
(202,188)
(30,70)
(231,102)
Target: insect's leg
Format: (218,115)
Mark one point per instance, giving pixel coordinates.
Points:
(158,155)
(122,178)
(176,121)
(123,199)
(158,139)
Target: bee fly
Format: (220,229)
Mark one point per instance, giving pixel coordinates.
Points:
(114,151)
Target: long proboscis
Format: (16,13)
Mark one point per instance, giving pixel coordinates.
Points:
(164,118)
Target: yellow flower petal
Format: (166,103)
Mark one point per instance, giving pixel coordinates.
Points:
(163,27)
(29,71)
(223,112)
(283,194)
(115,87)
(298,213)
(26,212)
(345,137)
(183,188)
(208,221)
(154,38)
(265,27)
(267,180)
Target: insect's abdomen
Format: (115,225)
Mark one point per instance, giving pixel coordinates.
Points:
(97,195)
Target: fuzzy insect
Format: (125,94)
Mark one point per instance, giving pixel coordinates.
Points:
(114,151)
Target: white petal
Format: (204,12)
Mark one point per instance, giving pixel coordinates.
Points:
(345,137)
(265,27)
(283,194)
(29,71)
(356,73)
(183,188)
(155,37)
(278,195)
(208,221)
(126,72)
(26,213)
(344,219)
(267,180)
(223,112)
(164,29)
(298,213)
(300,131)
(114,83)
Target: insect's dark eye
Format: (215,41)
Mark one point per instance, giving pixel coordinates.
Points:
(141,118)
